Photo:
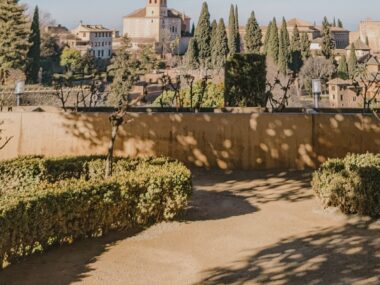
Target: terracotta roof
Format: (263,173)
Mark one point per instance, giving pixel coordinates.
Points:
(299,23)
(143,40)
(93,28)
(140,13)
(373,61)
(338,29)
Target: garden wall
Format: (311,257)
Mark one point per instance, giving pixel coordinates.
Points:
(226,141)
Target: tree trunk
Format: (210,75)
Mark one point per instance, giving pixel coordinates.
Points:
(111,146)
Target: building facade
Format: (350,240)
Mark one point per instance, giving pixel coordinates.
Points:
(155,24)
(369,31)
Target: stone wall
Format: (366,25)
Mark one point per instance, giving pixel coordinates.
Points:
(226,141)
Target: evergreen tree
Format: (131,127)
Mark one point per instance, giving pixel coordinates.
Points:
(267,37)
(305,47)
(366,40)
(253,35)
(334,22)
(193,30)
(34,54)
(352,61)
(274,42)
(14,36)
(296,51)
(232,39)
(327,42)
(343,68)
(220,49)
(203,35)
(214,27)
(192,54)
(340,23)
(238,39)
(284,45)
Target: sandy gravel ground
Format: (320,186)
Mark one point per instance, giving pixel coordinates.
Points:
(240,228)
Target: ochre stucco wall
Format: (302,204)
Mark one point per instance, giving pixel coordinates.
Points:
(226,141)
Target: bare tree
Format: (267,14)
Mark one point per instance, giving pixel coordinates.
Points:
(367,85)
(3,140)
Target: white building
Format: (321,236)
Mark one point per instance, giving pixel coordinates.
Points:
(155,25)
(95,39)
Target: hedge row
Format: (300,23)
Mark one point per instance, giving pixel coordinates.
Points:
(351,184)
(57,201)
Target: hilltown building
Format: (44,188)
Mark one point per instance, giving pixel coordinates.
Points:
(156,25)
(95,39)
(369,32)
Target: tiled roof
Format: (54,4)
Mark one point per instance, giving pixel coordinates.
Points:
(338,81)
(299,23)
(93,28)
(140,13)
(359,45)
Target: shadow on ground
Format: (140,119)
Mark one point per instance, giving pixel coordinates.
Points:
(348,255)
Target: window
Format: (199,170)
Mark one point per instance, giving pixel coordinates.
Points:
(109,52)
(341,97)
(354,99)
(333,88)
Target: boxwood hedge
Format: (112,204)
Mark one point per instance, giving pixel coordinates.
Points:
(351,184)
(47,202)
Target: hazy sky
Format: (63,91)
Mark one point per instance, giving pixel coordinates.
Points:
(110,12)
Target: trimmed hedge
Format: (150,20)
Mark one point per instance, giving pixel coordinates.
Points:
(49,202)
(351,184)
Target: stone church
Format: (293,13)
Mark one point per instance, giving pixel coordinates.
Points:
(156,24)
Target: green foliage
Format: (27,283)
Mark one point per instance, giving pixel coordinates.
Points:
(284,48)
(69,199)
(352,62)
(237,30)
(305,47)
(220,46)
(203,35)
(327,41)
(340,23)
(213,97)
(352,184)
(34,54)
(245,81)
(71,59)
(232,32)
(14,36)
(253,35)
(267,37)
(343,68)
(296,61)
(273,41)
(192,54)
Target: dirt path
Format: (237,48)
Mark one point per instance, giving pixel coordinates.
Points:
(241,228)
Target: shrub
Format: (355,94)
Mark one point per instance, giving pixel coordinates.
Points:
(352,184)
(57,201)
(245,81)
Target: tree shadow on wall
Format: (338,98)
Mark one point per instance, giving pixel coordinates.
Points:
(347,255)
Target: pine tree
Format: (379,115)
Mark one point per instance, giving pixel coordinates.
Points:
(343,68)
(220,49)
(352,61)
(238,39)
(273,42)
(193,30)
(296,51)
(267,37)
(305,47)
(340,23)
(232,39)
(14,36)
(34,54)
(192,54)
(253,35)
(327,42)
(203,35)
(284,45)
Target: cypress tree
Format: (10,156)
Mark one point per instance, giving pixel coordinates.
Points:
(267,37)
(34,54)
(203,35)
(273,42)
(334,22)
(352,62)
(192,54)
(253,35)
(284,45)
(232,40)
(305,47)
(343,68)
(327,42)
(193,30)
(214,27)
(14,36)
(366,40)
(296,51)
(238,39)
(220,49)
(340,23)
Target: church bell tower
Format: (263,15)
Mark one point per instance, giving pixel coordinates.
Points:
(157,8)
